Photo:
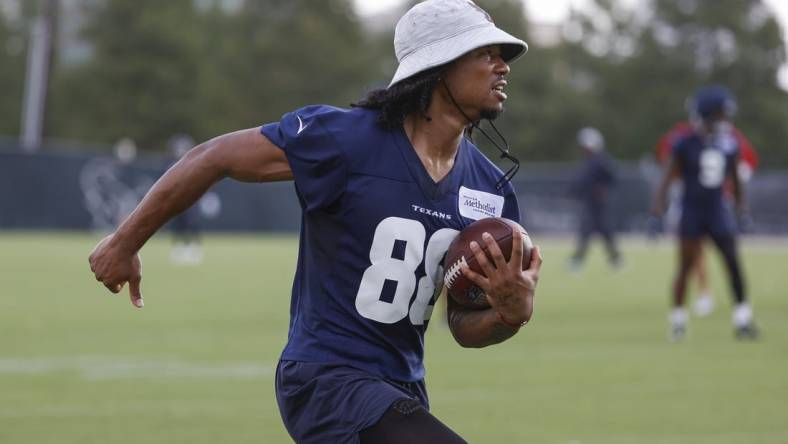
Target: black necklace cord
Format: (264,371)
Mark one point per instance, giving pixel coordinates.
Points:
(503,147)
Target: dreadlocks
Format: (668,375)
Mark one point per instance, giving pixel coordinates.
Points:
(412,95)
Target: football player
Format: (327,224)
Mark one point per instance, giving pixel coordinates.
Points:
(591,187)
(384,188)
(704,158)
(748,163)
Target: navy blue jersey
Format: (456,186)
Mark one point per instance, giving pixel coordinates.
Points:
(594,177)
(705,162)
(374,230)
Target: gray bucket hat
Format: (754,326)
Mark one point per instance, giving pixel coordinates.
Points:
(435,32)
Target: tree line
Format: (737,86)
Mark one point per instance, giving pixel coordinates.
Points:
(202,68)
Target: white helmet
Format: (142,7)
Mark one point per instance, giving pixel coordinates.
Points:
(591,139)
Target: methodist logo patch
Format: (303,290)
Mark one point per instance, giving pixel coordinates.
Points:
(475,204)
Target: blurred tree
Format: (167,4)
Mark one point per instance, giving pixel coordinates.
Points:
(141,81)
(12,74)
(205,67)
(276,55)
(641,65)
(201,68)
(14,40)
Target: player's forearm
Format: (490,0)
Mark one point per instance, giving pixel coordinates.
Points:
(177,190)
(478,328)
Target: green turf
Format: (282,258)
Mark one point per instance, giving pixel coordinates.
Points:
(79,365)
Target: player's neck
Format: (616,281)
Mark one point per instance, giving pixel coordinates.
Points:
(436,141)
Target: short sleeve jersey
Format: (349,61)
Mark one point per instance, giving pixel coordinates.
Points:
(705,163)
(375,228)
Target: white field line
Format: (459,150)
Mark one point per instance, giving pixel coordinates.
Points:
(124,367)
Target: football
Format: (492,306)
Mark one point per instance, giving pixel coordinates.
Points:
(460,288)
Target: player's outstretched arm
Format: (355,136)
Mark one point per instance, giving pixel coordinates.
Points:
(510,291)
(244,155)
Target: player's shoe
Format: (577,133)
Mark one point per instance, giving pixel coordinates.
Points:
(616,263)
(178,254)
(703,306)
(677,321)
(186,254)
(744,327)
(747,332)
(677,332)
(194,254)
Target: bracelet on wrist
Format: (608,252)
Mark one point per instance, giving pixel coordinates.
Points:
(508,323)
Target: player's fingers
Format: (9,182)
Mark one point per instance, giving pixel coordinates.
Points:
(517,248)
(495,250)
(536,262)
(481,258)
(134,292)
(536,258)
(478,279)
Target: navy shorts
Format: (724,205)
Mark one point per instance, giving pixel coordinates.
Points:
(716,222)
(332,403)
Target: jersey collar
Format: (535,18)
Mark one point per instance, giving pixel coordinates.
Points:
(431,189)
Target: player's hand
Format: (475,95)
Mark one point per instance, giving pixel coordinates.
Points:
(510,290)
(115,267)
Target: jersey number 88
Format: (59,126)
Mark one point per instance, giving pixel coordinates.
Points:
(402,271)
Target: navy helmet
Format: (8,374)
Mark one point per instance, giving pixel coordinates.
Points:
(713,101)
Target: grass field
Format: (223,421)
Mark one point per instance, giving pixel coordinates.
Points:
(79,365)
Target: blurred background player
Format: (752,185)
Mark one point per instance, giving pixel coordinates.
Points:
(704,158)
(186,243)
(591,187)
(748,163)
